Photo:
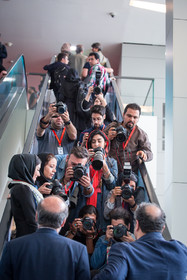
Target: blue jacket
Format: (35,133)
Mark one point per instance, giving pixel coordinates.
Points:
(149,257)
(44,255)
(60,172)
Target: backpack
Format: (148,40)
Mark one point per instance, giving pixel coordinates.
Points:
(59,76)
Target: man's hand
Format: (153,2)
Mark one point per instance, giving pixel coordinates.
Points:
(142,155)
(52,110)
(68,174)
(109,233)
(130,201)
(127,238)
(85,138)
(112,133)
(65,116)
(85,181)
(115,192)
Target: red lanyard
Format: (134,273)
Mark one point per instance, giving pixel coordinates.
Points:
(62,135)
(126,143)
(67,188)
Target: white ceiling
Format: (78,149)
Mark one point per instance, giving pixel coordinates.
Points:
(38,28)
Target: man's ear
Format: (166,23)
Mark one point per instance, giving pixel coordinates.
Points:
(104,117)
(163,228)
(36,217)
(63,223)
(137,226)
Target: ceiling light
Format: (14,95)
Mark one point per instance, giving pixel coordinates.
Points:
(73,48)
(148,6)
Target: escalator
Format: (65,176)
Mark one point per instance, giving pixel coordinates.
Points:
(17,132)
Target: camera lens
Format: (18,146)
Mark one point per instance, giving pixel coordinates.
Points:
(127,192)
(119,231)
(97,162)
(87,223)
(97,90)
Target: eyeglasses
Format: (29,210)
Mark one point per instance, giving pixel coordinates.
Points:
(55,116)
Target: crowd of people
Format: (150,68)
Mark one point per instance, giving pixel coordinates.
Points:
(78,205)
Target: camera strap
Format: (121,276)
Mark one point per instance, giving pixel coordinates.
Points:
(61,137)
(126,143)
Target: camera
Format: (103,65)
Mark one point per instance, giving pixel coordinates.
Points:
(87,223)
(122,133)
(61,107)
(56,189)
(127,190)
(97,88)
(119,231)
(97,162)
(79,170)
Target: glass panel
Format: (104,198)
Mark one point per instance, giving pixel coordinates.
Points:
(140,91)
(12,81)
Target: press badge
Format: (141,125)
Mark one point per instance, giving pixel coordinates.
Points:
(60,150)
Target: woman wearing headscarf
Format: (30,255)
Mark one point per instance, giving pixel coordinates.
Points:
(23,170)
(103,173)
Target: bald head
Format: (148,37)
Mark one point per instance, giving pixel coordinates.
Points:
(52,212)
(151,217)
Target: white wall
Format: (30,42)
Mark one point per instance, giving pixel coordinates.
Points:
(176,115)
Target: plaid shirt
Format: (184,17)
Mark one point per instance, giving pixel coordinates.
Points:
(104,80)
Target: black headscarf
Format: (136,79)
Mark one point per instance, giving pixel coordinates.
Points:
(22,167)
(42,179)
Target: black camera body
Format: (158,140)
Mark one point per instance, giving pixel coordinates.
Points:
(87,223)
(127,190)
(61,107)
(78,171)
(56,189)
(122,134)
(119,231)
(97,162)
(97,88)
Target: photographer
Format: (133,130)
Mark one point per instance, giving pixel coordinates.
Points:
(55,131)
(73,172)
(97,116)
(96,99)
(117,231)
(128,195)
(103,173)
(104,80)
(83,229)
(135,143)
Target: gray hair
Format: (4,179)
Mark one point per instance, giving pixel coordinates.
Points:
(150,222)
(52,219)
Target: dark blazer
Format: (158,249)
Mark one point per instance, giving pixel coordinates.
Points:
(150,257)
(44,255)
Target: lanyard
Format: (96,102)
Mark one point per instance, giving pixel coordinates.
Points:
(68,187)
(62,135)
(126,143)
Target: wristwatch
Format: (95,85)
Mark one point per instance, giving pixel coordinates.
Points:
(67,123)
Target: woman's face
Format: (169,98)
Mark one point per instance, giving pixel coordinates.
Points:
(97,101)
(36,172)
(50,168)
(97,141)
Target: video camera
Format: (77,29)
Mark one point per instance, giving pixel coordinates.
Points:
(97,162)
(56,189)
(127,190)
(97,88)
(79,171)
(122,134)
(61,107)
